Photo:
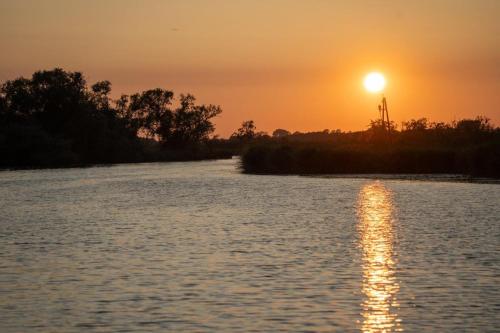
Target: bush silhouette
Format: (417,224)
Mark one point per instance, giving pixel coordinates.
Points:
(469,146)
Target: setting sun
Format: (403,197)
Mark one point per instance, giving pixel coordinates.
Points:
(374,82)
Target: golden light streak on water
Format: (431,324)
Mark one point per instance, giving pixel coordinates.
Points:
(380,284)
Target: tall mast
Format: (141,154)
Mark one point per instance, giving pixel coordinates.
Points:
(384,115)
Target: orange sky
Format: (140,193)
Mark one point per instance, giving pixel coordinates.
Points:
(283,63)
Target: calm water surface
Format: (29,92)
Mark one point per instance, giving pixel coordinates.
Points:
(199,247)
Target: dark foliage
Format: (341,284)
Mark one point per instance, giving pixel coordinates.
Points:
(280,133)
(469,146)
(54,119)
(246,132)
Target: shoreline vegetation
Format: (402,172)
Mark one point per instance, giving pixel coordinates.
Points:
(55,120)
(467,147)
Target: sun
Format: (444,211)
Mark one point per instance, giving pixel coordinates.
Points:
(374,82)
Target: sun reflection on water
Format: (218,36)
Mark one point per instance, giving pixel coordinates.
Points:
(380,285)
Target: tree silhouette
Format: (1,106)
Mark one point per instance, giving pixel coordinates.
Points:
(280,133)
(415,125)
(100,94)
(190,123)
(246,131)
(468,146)
(147,110)
(54,118)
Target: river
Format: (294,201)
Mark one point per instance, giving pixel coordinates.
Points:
(201,247)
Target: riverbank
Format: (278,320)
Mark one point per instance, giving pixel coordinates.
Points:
(476,161)
(168,157)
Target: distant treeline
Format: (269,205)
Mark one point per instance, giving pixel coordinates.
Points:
(468,146)
(54,119)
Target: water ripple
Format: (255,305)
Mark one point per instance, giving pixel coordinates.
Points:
(199,247)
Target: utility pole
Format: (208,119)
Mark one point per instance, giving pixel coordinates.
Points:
(384,115)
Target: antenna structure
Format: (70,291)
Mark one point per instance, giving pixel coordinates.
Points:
(384,115)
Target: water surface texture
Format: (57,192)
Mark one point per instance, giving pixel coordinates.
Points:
(200,247)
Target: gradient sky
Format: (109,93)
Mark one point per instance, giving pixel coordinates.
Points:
(290,64)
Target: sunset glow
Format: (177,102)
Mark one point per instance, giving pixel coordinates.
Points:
(374,82)
(380,284)
(250,166)
(282,63)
